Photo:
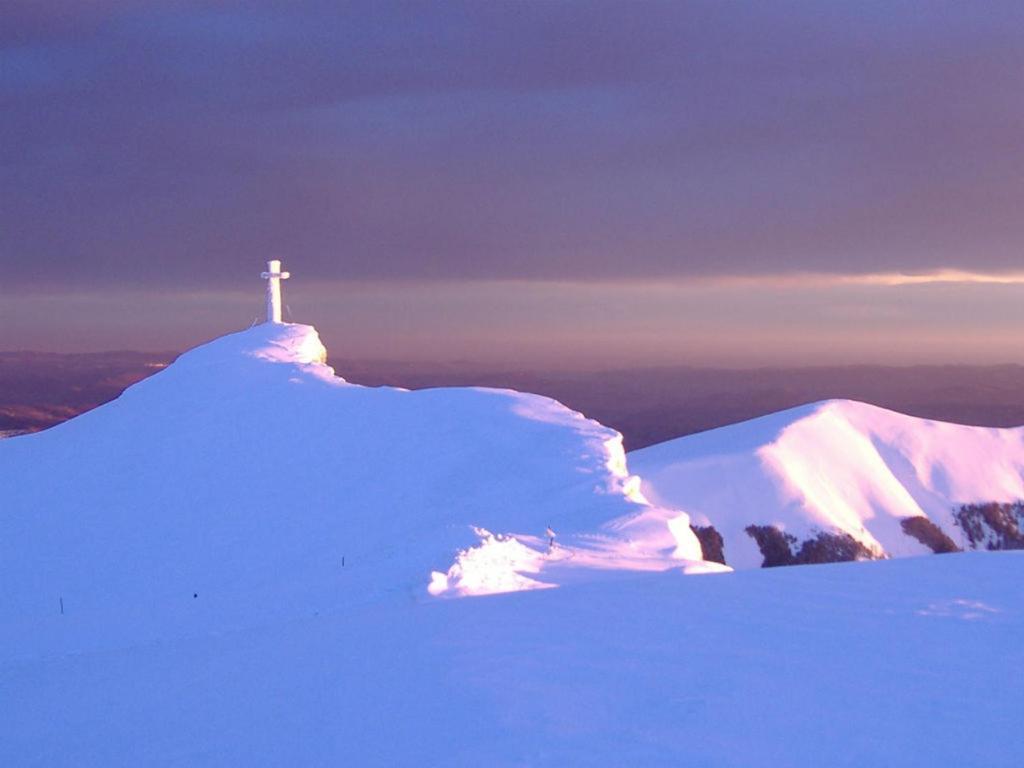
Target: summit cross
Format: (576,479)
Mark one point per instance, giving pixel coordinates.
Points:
(274,276)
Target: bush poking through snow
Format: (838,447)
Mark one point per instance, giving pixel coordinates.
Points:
(929,534)
(777,547)
(711,543)
(992,526)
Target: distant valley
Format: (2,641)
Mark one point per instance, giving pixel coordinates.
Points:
(648,406)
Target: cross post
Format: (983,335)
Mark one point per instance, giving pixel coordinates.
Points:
(274,276)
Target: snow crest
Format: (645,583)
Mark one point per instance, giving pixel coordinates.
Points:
(837,467)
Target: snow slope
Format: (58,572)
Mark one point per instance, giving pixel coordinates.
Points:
(836,466)
(248,474)
(902,663)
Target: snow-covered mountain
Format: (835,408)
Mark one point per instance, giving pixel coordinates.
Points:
(841,480)
(244,560)
(248,468)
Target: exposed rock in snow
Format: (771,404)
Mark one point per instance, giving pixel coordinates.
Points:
(841,480)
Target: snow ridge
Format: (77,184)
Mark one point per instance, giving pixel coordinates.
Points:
(835,467)
(247,472)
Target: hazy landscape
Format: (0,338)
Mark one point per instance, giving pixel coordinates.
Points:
(648,405)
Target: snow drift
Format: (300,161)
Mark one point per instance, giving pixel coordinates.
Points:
(248,473)
(842,480)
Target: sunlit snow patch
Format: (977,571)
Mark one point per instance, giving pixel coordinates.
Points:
(496,565)
(509,562)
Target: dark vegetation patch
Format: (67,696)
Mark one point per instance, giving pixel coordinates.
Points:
(777,547)
(833,548)
(993,525)
(711,542)
(929,534)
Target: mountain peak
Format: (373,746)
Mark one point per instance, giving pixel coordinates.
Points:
(271,342)
(835,472)
(246,469)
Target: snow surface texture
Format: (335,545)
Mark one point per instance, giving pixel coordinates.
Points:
(902,663)
(251,475)
(836,466)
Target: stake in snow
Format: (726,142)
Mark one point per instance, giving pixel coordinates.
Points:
(274,276)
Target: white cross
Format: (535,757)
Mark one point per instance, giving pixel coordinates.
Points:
(274,276)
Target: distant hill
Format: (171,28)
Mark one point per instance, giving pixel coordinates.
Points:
(40,389)
(842,480)
(648,405)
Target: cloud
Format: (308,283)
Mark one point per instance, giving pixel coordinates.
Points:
(164,144)
(941,277)
(811,281)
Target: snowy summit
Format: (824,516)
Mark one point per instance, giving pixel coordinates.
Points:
(247,468)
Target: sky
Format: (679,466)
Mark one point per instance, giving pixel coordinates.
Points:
(561,183)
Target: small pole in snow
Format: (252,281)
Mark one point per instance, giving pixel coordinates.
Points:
(62,606)
(342,561)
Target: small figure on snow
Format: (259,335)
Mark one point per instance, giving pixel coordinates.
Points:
(551,538)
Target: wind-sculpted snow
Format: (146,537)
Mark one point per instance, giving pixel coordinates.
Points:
(249,477)
(835,480)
